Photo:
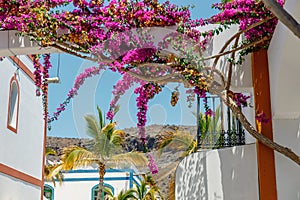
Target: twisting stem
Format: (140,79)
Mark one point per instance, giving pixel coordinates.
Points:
(236,49)
(74,53)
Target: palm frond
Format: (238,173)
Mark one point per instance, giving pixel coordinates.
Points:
(166,140)
(150,195)
(178,141)
(215,122)
(128,194)
(50,151)
(117,137)
(93,128)
(141,190)
(116,109)
(101,118)
(54,173)
(75,157)
(191,149)
(108,129)
(104,148)
(108,192)
(171,189)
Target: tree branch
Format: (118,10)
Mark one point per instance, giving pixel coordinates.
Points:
(238,34)
(236,49)
(157,79)
(229,75)
(246,124)
(74,53)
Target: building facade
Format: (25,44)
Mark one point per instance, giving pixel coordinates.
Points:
(254,171)
(22,131)
(83,184)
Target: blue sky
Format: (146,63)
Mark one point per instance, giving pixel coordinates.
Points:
(97,91)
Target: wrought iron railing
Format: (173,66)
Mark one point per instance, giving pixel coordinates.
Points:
(213,132)
(222,139)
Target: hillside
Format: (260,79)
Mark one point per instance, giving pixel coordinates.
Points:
(154,133)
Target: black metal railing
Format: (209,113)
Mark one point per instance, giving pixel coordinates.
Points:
(213,132)
(222,139)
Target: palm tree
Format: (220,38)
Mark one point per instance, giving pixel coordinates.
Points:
(179,141)
(52,172)
(125,195)
(147,193)
(105,149)
(210,127)
(185,142)
(176,141)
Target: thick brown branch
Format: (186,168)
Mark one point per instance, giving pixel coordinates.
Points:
(74,53)
(73,48)
(217,71)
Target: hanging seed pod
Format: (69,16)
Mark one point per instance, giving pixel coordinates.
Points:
(157,88)
(174,98)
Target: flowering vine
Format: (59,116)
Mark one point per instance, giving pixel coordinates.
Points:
(145,92)
(79,81)
(151,164)
(45,72)
(37,74)
(103,33)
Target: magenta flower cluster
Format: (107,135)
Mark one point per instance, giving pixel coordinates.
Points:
(240,99)
(37,74)
(151,164)
(119,89)
(200,92)
(245,13)
(104,30)
(141,102)
(262,118)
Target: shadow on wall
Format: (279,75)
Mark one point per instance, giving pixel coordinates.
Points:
(227,174)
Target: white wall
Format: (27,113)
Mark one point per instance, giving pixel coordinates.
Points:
(287,133)
(284,72)
(284,68)
(225,174)
(22,151)
(14,189)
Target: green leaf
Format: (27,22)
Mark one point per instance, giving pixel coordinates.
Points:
(101,118)
(93,128)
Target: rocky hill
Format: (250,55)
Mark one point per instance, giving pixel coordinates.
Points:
(154,133)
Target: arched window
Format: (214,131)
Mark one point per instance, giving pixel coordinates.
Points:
(95,191)
(13,104)
(49,192)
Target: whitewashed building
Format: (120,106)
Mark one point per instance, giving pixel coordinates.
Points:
(22,129)
(22,132)
(83,184)
(254,171)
